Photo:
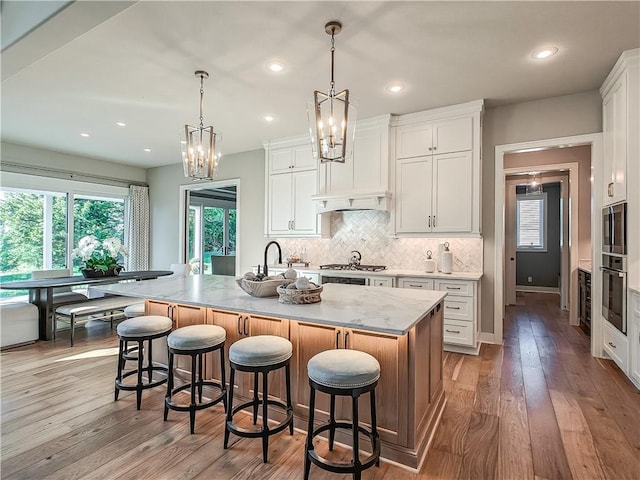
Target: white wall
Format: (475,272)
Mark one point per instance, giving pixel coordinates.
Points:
(537,120)
(164,197)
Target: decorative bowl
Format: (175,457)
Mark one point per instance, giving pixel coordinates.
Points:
(265,288)
(299,297)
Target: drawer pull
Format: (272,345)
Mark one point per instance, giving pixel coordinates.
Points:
(612,345)
(416,286)
(453,288)
(452,331)
(451,308)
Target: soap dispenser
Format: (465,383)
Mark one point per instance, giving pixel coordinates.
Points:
(446,261)
(429,263)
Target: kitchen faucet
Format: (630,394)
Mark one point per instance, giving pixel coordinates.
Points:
(355,259)
(265,270)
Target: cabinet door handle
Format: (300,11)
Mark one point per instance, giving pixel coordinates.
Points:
(430,148)
(346,338)
(239,331)
(452,308)
(452,331)
(337,338)
(611,345)
(429,221)
(293,224)
(434,221)
(244,326)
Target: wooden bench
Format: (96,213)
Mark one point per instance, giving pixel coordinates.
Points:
(107,307)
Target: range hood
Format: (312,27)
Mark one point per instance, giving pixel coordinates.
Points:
(377,200)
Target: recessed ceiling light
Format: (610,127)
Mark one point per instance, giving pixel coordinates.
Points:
(147,149)
(394,87)
(276,66)
(268,118)
(545,52)
(121,124)
(84,134)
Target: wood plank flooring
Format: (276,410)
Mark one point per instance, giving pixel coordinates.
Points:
(537,407)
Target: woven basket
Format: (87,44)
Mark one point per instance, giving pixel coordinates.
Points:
(266,288)
(299,297)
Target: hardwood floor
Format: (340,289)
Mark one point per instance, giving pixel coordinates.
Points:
(537,407)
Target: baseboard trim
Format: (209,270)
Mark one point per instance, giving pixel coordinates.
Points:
(532,288)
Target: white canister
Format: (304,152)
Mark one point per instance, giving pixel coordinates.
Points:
(446,259)
(429,263)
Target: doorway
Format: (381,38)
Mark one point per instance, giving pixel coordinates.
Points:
(209,227)
(594,143)
(537,235)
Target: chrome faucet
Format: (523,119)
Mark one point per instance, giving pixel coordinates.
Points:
(265,269)
(355,259)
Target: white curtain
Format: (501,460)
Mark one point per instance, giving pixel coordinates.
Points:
(138,238)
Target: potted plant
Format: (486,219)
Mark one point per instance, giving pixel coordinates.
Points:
(100,259)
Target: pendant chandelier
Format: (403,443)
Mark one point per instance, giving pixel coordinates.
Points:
(199,150)
(534,187)
(332,116)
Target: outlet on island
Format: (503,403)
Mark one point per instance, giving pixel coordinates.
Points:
(530,279)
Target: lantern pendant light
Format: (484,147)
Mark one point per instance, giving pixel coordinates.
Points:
(199,150)
(535,186)
(332,116)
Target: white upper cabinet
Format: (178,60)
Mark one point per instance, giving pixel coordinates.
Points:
(620,126)
(437,171)
(362,181)
(294,158)
(429,139)
(292,179)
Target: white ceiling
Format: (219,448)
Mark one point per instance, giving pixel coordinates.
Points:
(96,63)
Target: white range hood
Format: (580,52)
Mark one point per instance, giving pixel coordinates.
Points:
(380,200)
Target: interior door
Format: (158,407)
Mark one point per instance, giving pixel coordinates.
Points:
(510,243)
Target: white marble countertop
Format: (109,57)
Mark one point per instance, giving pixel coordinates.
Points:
(384,273)
(378,309)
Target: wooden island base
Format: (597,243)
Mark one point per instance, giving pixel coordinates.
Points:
(409,397)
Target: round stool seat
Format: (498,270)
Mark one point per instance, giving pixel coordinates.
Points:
(196,337)
(144,326)
(260,350)
(134,310)
(343,368)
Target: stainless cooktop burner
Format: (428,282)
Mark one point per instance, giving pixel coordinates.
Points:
(349,266)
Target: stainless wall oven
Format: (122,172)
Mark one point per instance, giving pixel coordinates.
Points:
(614,229)
(614,291)
(344,280)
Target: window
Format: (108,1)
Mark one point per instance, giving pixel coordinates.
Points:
(42,219)
(531,223)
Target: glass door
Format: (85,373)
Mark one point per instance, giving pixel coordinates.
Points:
(211,230)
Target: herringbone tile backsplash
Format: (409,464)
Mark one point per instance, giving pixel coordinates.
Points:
(368,232)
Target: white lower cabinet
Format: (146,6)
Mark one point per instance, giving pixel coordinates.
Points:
(634,337)
(381,281)
(616,346)
(461,307)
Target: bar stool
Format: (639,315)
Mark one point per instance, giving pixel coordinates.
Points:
(350,373)
(260,354)
(195,341)
(139,330)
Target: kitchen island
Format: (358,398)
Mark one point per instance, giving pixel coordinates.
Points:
(402,328)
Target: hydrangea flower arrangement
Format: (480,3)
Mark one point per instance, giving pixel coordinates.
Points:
(100,257)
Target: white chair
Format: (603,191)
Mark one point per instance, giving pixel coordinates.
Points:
(19,324)
(61,295)
(137,309)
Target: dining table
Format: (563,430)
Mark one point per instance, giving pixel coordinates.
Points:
(41,291)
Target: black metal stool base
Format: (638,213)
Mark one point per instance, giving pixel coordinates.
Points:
(137,353)
(356,466)
(195,405)
(265,431)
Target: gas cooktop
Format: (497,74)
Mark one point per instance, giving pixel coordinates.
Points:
(351,266)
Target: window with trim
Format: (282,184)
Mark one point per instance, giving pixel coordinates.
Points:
(42,219)
(531,223)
